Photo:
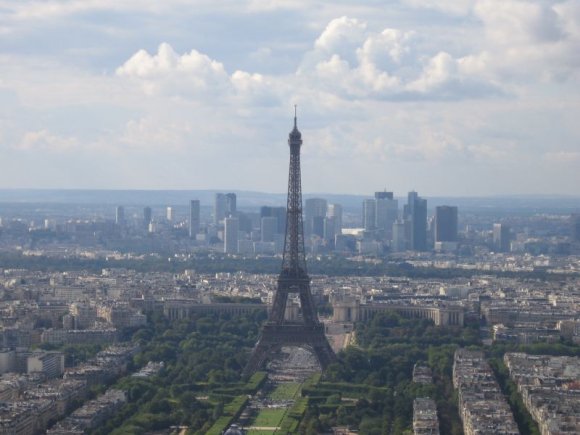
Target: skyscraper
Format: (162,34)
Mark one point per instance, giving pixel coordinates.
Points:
(384,195)
(399,241)
(386,213)
(369,214)
(219,208)
(445,223)
(147,217)
(314,207)
(194,217)
(334,211)
(279,213)
(416,220)
(269,227)
(231,204)
(501,238)
(120,215)
(169,214)
(231,235)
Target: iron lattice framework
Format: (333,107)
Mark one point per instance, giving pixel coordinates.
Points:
(277,331)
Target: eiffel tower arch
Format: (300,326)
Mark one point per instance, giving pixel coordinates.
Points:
(293,279)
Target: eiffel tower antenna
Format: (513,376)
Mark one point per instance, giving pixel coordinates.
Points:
(293,279)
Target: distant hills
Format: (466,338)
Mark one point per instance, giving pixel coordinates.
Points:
(250,199)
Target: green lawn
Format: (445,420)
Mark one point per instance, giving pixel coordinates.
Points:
(269,417)
(285,391)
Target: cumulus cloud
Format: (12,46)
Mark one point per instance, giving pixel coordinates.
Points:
(355,62)
(194,75)
(43,140)
(170,73)
(529,38)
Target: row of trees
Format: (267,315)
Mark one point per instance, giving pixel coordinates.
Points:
(370,388)
(201,357)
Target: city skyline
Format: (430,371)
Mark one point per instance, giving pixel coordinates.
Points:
(468,98)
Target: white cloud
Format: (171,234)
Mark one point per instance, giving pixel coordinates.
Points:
(455,7)
(43,140)
(167,72)
(530,38)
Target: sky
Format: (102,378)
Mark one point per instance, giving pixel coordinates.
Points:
(445,97)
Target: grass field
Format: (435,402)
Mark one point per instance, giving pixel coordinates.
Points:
(285,391)
(269,417)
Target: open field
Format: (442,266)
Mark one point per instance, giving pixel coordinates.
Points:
(269,417)
(285,391)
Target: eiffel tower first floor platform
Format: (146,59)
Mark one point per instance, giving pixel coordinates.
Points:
(274,336)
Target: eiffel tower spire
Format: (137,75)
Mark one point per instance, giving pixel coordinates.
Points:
(293,279)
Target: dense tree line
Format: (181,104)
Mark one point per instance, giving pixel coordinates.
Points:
(370,388)
(201,357)
(215,262)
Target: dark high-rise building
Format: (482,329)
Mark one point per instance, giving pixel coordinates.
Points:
(147,217)
(416,220)
(369,214)
(120,215)
(219,208)
(231,204)
(501,238)
(314,207)
(384,195)
(318,226)
(279,213)
(231,227)
(268,228)
(575,220)
(194,217)
(386,213)
(445,224)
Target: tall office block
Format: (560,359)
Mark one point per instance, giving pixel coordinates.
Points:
(314,208)
(318,226)
(147,217)
(416,219)
(231,204)
(231,226)
(329,230)
(369,214)
(384,195)
(386,213)
(334,211)
(194,217)
(120,215)
(169,214)
(501,238)
(269,227)
(219,208)
(279,213)
(446,224)
(399,241)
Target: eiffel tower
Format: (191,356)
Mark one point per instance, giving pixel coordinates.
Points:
(293,278)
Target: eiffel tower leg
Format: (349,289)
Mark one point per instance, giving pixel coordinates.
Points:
(259,354)
(324,354)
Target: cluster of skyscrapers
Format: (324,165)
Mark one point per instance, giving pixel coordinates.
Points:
(409,230)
